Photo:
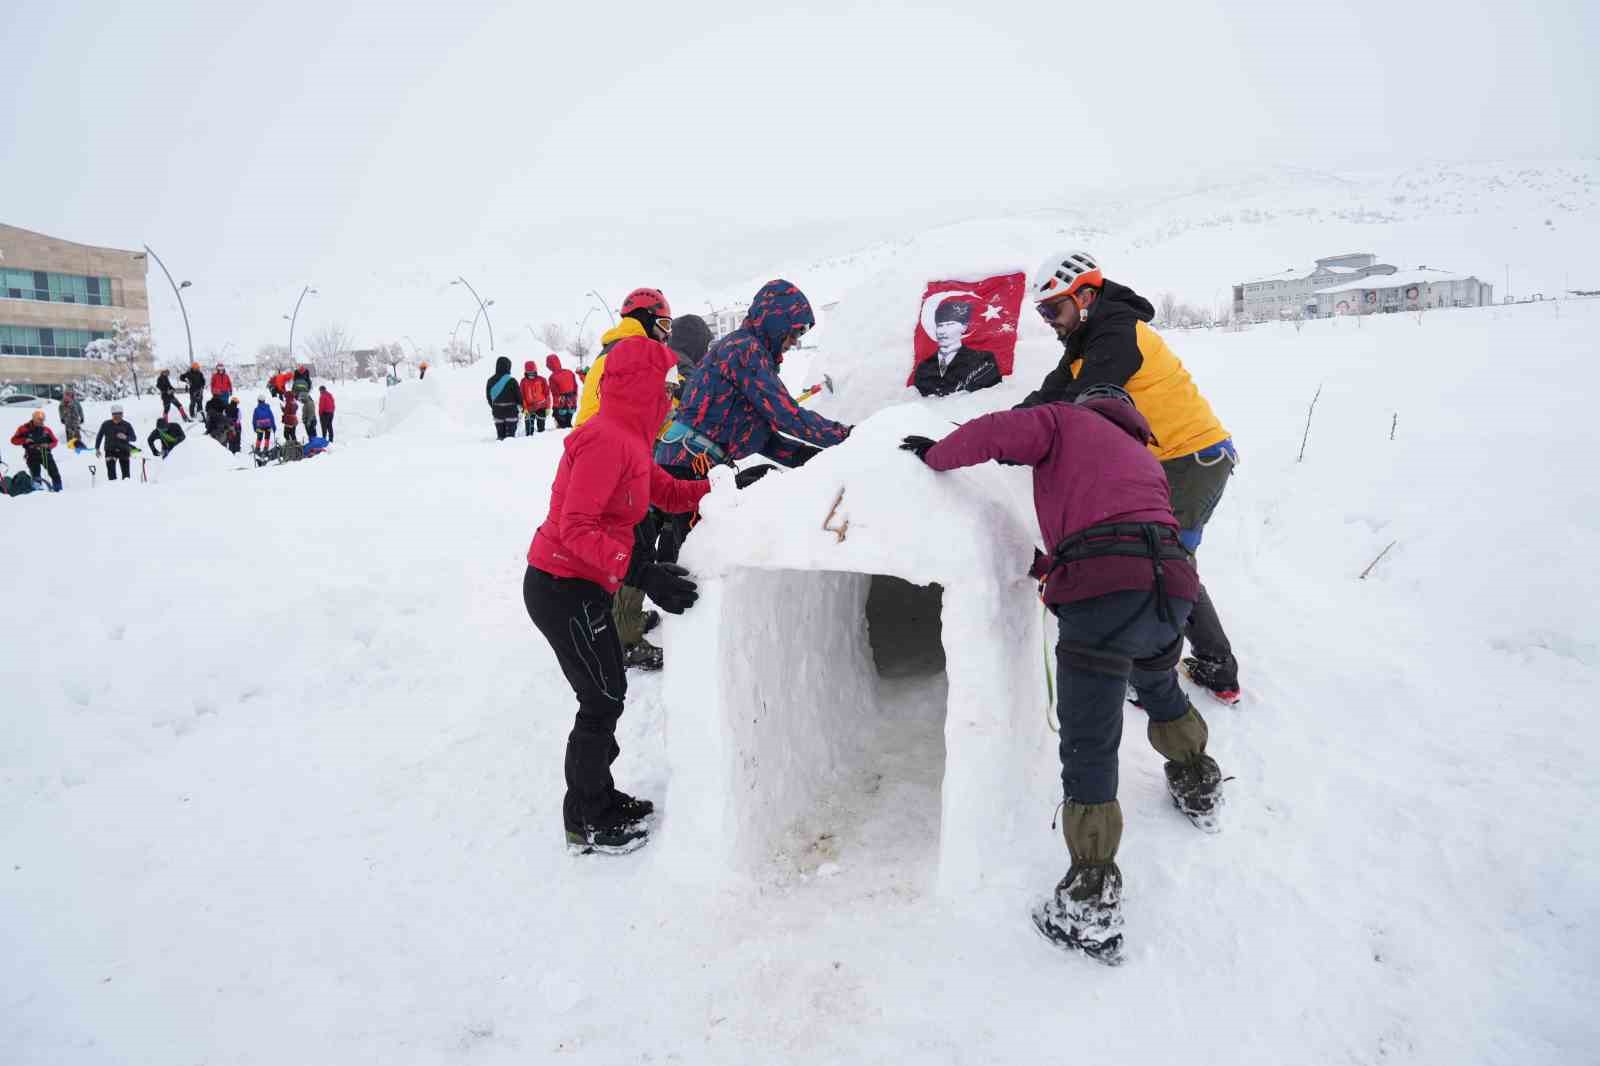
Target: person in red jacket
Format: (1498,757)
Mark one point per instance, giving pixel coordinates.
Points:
(535,399)
(325,411)
(36,440)
(563,391)
(278,384)
(291,417)
(1121,585)
(580,555)
(221,383)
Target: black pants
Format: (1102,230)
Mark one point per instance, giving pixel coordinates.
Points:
(563,417)
(170,399)
(504,427)
(575,617)
(112,461)
(194,402)
(1105,642)
(531,424)
(42,459)
(1196,490)
(327,425)
(288,431)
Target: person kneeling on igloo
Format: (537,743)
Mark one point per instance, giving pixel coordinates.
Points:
(1121,586)
(581,554)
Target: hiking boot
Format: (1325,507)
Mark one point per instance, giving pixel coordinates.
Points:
(651,620)
(642,656)
(1196,787)
(1085,913)
(609,834)
(1220,677)
(631,807)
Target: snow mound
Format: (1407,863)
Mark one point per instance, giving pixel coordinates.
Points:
(421,410)
(197,456)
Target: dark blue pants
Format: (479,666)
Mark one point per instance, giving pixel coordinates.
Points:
(1106,642)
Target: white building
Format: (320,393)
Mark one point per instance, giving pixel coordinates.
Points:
(1406,290)
(1292,293)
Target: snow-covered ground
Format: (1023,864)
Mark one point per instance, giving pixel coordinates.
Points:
(280,764)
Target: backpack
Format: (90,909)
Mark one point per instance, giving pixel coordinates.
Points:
(21,484)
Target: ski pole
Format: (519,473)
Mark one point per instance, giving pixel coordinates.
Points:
(92,471)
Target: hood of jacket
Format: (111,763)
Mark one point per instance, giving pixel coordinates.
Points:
(633,388)
(778,309)
(502,365)
(551,362)
(628,327)
(690,339)
(1118,301)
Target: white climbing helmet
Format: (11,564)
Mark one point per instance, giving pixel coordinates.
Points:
(1063,275)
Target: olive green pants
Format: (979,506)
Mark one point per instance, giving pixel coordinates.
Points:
(627,614)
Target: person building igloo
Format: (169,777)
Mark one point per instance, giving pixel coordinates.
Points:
(954,367)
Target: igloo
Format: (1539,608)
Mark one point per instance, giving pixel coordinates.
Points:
(776,679)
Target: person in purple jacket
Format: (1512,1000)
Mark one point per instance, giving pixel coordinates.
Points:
(1121,587)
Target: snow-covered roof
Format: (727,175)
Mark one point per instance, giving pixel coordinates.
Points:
(1402,279)
(1283,275)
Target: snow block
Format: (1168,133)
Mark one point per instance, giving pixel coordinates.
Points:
(770,679)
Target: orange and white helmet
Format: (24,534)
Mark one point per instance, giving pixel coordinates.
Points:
(1063,275)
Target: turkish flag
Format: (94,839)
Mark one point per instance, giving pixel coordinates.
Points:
(980,316)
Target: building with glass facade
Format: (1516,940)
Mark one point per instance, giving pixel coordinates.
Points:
(56,296)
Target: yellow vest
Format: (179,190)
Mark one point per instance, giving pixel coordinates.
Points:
(589,401)
(1165,394)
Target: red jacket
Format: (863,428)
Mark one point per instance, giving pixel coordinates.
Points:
(325,403)
(1090,468)
(535,393)
(221,382)
(563,384)
(291,410)
(29,434)
(606,479)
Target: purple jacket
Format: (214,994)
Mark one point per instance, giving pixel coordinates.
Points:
(1090,467)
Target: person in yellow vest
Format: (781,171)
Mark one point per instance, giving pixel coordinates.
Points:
(645,313)
(1104,329)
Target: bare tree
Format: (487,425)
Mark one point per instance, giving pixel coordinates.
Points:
(1166,306)
(393,356)
(553,336)
(330,351)
(581,348)
(459,354)
(125,349)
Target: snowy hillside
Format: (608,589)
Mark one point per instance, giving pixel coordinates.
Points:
(1198,237)
(280,765)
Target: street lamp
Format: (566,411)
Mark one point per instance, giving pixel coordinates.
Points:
(473,332)
(415,350)
(177,290)
(296,315)
(483,308)
(459,321)
(603,303)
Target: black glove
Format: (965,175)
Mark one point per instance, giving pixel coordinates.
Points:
(919,445)
(750,475)
(667,584)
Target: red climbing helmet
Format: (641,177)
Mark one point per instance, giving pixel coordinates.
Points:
(649,300)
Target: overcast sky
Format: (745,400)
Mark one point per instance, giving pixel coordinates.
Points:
(378,149)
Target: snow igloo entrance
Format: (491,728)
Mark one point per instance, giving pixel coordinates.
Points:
(808,716)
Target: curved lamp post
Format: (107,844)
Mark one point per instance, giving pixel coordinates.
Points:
(603,303)
(414,349)
(177,290)
(483,309)
(292,318)
(472,334)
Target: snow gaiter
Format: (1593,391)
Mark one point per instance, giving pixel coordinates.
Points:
(1181,740)
(1093,832)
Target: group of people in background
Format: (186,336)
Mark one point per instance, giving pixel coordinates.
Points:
(1128,465)
(116,439)
(532,400)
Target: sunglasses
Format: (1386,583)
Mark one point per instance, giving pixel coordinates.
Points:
(1048,311)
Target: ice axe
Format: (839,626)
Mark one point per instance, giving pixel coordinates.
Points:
(827,383)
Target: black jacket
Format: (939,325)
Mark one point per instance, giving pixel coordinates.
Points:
(301,382)
(194,379)
(1107,344)
(164,384)
(508,400)
(969,371)
(118,437)
(162,441)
